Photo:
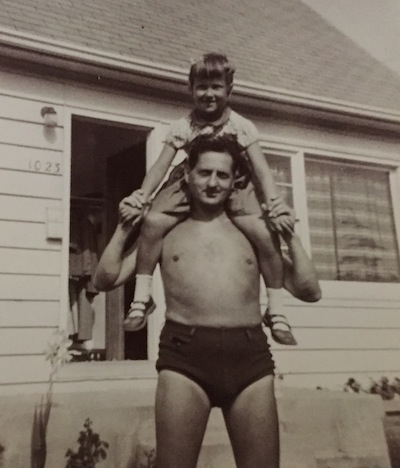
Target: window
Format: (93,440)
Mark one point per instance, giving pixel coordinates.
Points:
(281,170)
(351,222)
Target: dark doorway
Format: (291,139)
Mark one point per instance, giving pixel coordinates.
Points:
(108,161)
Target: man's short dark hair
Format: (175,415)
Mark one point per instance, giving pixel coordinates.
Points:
(220,144)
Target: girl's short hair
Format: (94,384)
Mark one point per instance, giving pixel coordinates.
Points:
(212,65)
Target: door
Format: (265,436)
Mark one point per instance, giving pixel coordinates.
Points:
(125,173)
(108,161)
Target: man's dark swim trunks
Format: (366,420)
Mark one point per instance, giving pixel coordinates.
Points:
(223,361)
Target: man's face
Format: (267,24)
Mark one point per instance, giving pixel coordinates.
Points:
(211,180)
(210,96)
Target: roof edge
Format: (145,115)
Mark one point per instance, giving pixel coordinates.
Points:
(61,49)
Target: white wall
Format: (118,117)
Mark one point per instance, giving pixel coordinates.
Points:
(31,158)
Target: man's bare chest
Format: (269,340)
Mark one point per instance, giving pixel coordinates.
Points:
(193,246)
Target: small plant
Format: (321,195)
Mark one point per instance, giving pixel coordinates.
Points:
(91,449)
(352,386)
(58,353)
(396,385)
(383,388)
(149,459)
(387,390)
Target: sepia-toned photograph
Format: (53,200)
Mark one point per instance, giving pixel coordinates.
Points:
(199,234)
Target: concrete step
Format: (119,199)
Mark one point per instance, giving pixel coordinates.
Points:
(318,429)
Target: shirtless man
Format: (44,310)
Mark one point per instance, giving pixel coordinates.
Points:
(213,351)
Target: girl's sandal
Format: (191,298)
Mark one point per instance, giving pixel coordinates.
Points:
(283,337)
(137,322)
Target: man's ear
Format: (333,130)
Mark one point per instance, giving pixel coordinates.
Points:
(233,181)
(187,170)
(230,89)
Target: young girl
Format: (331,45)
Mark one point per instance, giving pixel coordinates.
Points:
(211,82)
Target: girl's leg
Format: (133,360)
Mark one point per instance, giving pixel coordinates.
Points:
(155,226)
(172,199)
(269,257)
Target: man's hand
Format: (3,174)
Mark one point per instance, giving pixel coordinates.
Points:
(127,214)
(277,207)
(136,199)
(280,216)
(130,221)
(283,225)
(132,206)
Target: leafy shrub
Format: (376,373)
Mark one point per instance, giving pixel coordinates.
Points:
(387,390)
(91,449)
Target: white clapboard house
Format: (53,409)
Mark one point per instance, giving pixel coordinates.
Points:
(87,91)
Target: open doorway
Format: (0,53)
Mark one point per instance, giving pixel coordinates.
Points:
(108,162)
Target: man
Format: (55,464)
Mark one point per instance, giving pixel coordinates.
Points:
(213,351)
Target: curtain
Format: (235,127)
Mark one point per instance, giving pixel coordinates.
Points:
(351,222)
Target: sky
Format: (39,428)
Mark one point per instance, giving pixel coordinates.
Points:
(373,24)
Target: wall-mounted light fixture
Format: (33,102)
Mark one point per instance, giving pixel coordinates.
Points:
(49,115)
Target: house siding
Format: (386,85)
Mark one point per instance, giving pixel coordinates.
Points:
(29,262)
(352,331)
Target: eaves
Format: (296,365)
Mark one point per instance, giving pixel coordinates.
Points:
(67,59)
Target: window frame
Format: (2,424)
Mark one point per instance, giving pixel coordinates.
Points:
(297,154)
